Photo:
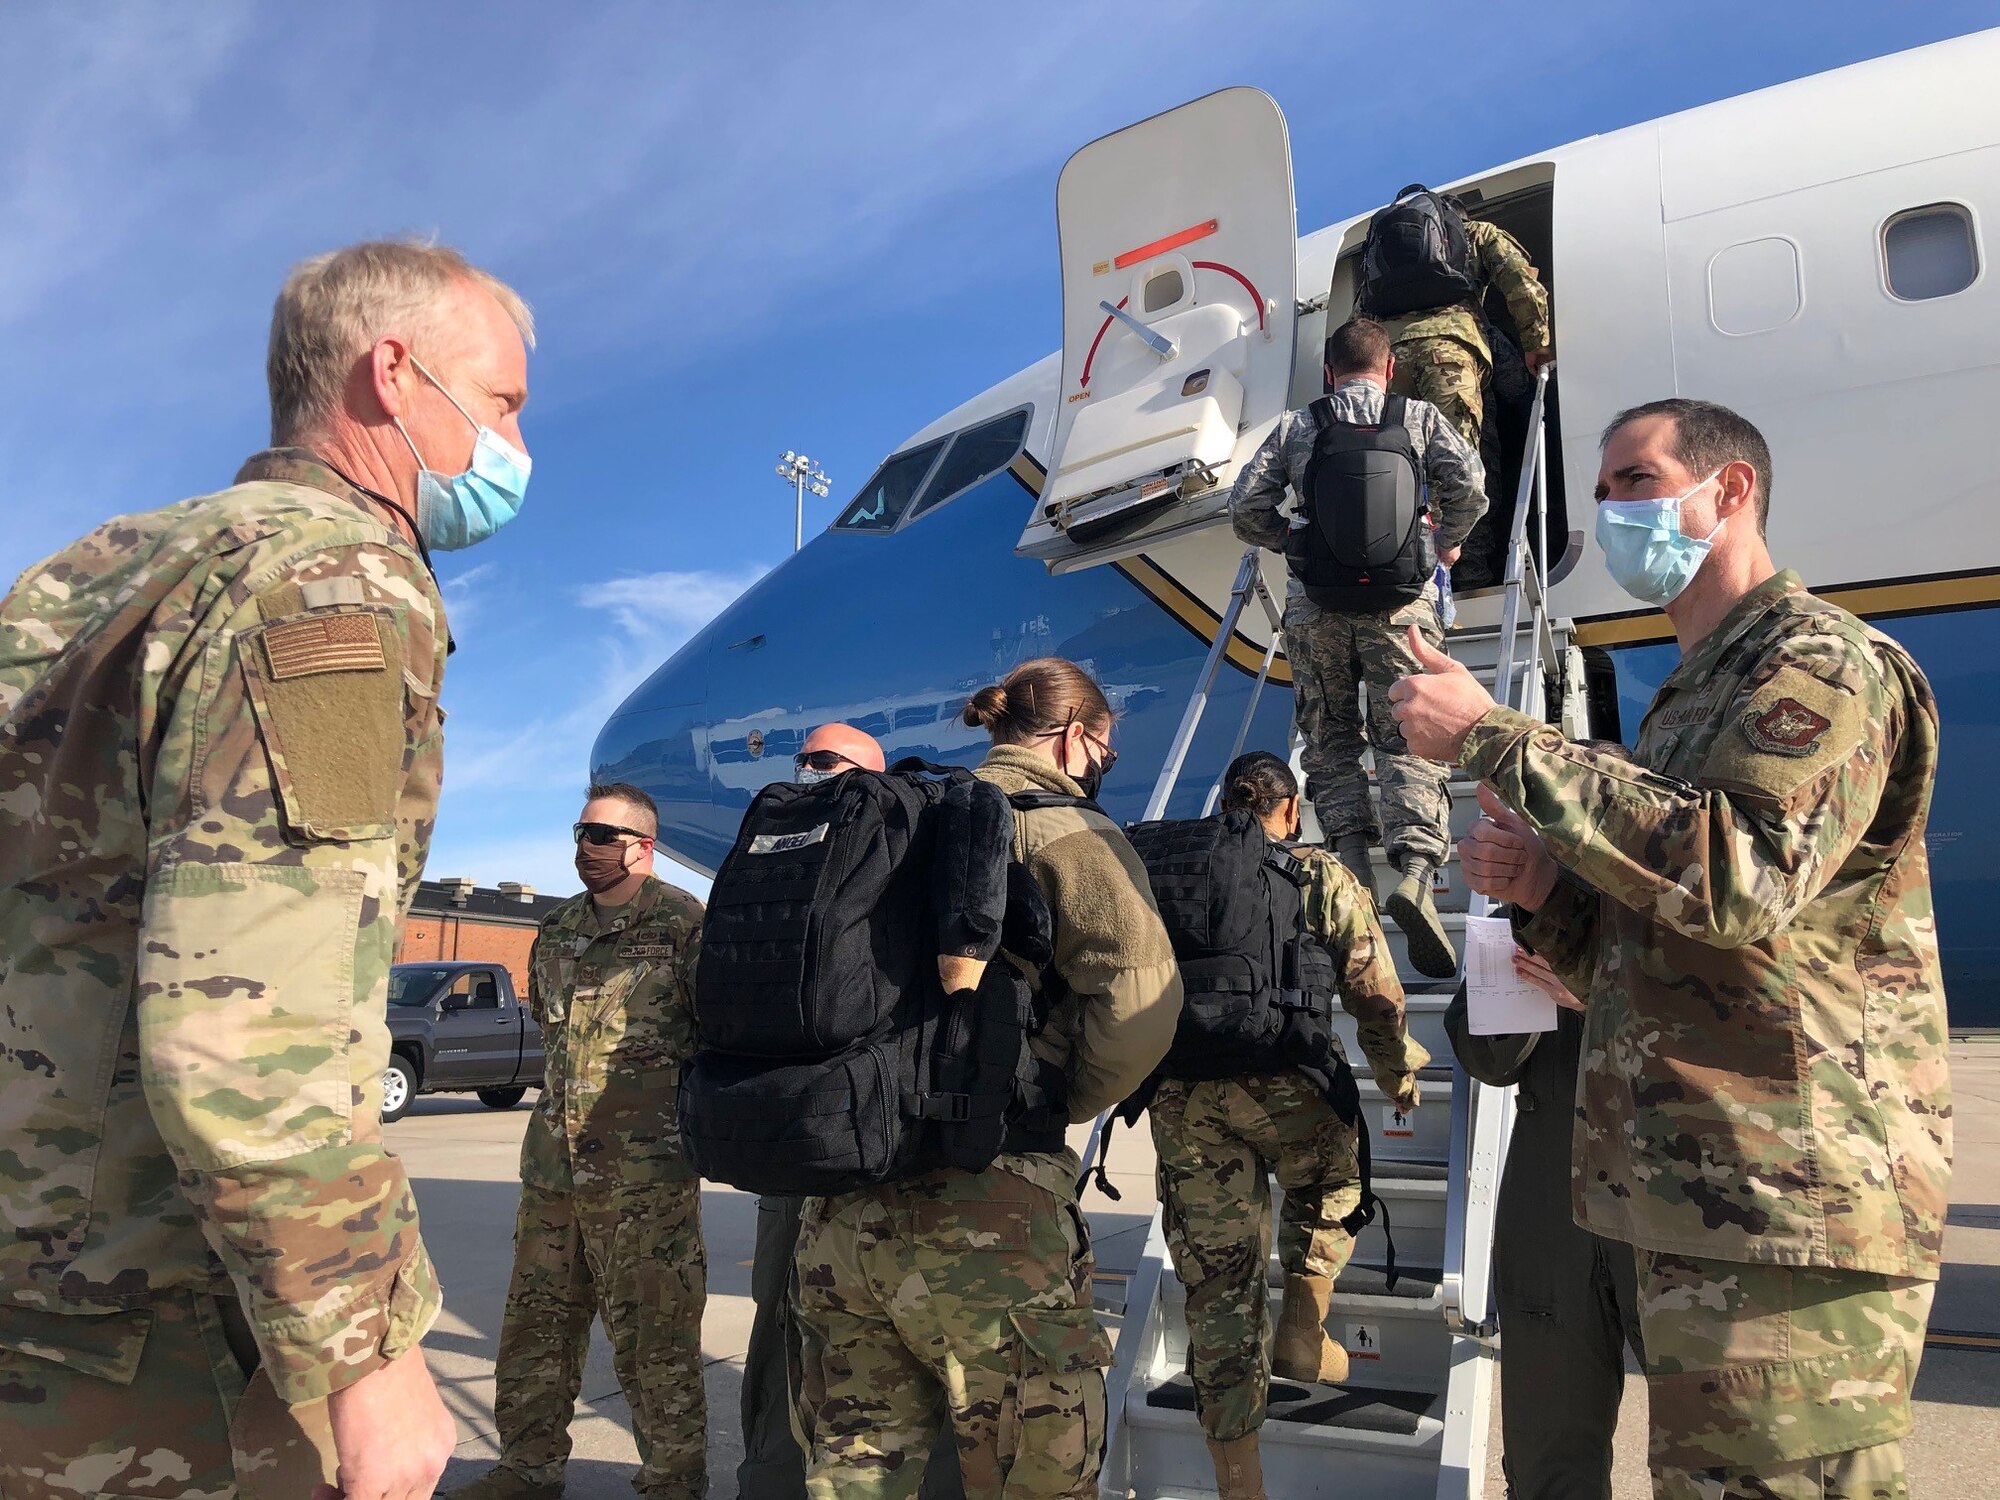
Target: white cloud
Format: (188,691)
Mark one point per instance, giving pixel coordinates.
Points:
(464,598)
(494,746)
(666,608)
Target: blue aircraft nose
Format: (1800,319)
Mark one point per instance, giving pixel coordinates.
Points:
(657,740)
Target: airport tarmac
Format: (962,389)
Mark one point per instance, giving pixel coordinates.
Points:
(463,1159)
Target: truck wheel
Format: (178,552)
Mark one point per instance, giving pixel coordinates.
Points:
(399,1088)
(502,1098)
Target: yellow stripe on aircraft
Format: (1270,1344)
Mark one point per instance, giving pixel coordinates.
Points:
(1868,600)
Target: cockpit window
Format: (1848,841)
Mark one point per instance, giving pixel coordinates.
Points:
(885,497)
(976,453)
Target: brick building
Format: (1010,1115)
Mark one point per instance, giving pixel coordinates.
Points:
(455,919)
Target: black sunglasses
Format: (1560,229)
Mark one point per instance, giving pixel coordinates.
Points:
(820,760)
(602,833)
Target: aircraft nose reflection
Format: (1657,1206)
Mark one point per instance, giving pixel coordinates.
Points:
(656,740)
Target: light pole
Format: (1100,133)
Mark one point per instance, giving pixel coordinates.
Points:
(802,474)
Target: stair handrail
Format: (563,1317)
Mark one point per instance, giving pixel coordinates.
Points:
(1481,1113)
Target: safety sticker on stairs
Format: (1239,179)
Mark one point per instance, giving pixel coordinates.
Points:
(1396,1124)
(1363,1341)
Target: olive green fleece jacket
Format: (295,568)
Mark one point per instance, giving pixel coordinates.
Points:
(1110,946)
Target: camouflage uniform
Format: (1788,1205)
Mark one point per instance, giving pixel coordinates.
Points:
(775,1448)
(964,1298)
(219,758)
(1747,904)
(610,1216)
(1333,652)
(1445,356)
(1218,1140)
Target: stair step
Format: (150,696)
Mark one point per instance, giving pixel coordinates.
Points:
(1355,1408)
(1413,1283)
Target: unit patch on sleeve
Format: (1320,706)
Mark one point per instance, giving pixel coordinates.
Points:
(1793,729)
(1786,727)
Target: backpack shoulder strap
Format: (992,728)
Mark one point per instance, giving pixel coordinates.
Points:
(1393,410)
(914,764)
(1322,411)
(1035,798)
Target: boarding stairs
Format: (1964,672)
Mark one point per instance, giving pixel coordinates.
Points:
(1412,1421)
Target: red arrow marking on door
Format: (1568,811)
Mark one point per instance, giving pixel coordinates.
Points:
(1102,329)
(1216,265)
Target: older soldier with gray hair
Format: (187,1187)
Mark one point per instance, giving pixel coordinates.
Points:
(219,759)
(1764,1111)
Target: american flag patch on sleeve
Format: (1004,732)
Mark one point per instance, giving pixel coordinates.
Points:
(327,643)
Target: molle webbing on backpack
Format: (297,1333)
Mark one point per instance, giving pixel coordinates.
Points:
(830,1057)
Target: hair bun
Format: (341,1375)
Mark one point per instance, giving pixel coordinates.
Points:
(986,707)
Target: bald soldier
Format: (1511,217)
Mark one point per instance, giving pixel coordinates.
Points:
(1744,902)
(219,759)
(609,1223)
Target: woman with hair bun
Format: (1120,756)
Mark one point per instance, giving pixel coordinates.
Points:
(1218,1138)
(964,1298)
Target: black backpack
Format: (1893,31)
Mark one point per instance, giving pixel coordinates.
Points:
(1232,904)
(1367,545)
(828,1055)
(1258,987)
(1417,256)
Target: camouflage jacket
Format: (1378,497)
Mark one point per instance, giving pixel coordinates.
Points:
(1453,472)
(1499,262)
(220,746)
(616,1005)
(1342,917)
(1746,904)
(1111,950)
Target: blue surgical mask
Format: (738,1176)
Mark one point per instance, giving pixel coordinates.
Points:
(458,510)
(1645,550)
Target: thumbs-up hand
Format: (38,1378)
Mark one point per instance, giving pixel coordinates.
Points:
(1504,858)
(1435,707)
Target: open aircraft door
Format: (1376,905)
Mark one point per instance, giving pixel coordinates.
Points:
(1179,248)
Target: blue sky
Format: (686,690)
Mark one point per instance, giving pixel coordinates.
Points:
(743,228)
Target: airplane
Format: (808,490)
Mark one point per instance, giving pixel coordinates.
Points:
(1813,254)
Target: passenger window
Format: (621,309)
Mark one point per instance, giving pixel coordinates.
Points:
(977,453)
(1929,252)
(884,498)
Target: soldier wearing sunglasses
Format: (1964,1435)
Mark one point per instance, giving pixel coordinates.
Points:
(610,1217)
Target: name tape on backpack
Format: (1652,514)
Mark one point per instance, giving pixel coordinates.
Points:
(784,843)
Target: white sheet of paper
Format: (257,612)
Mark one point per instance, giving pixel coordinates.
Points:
(1498,1002)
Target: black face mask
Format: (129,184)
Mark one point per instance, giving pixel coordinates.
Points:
(1091,782)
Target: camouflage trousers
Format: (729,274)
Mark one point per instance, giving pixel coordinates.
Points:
(1217,1143)
(1778,1382)
(1332,653)
(1452,375)
(177,1414)
(636,1261)
(956,1301)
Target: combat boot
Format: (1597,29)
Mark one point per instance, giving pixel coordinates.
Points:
(1239,1468)
(1302,1350)
(1352,849)
(1410,908)
(503,1483)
